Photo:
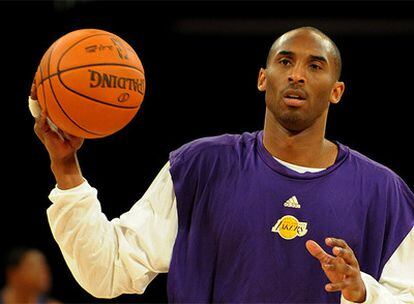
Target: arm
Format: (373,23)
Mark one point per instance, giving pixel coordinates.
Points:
(109,258)
(341,268)
(396,284)
(61,146)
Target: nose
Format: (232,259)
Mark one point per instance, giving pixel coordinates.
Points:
(297,75)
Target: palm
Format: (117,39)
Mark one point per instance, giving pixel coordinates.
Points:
(342,269)
(57,147)
(333,276)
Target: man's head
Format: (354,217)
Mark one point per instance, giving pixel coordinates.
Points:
(301,78)
(28,269)
(333,49)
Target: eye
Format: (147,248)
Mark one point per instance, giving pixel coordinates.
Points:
(315,66)
(284,61)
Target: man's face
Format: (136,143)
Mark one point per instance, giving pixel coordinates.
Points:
(300,80)
(33,272)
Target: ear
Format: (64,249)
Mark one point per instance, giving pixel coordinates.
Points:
(261,80)
(337,91)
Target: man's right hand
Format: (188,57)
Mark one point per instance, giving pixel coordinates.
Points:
(62,150)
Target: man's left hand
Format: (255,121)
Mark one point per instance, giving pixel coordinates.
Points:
(342,269)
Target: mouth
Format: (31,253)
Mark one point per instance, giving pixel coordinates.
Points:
(294,98)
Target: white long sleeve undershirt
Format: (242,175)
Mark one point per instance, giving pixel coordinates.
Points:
(123,255)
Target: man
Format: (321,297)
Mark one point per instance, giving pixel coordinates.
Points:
(27,278)
(239,218)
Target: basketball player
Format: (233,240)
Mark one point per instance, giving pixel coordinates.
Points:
(244,218)
(28,278)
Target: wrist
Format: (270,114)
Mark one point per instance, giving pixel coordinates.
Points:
(359,296)
(67,172)
(363,293)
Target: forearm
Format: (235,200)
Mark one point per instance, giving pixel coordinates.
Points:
(75,219)
(378,293)
(67,172)
(396,285)
(89,243)
(108,258)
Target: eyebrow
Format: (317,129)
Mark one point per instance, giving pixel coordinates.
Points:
(312,57)
(286,53)
(318,58)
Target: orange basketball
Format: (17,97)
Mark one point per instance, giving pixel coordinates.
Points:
(91,83)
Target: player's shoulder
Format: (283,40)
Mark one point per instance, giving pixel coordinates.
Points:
(214,145)
(367,165)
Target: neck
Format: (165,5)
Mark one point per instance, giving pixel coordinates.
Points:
(12,294)
(307,148)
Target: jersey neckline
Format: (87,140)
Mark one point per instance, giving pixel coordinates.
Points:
(343,153)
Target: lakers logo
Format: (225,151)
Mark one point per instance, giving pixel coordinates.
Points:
(289,227)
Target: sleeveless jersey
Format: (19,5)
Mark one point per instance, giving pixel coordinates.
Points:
(243,220)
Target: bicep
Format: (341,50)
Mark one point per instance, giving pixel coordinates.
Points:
(147,232)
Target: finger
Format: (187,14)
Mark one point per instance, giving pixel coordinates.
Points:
(38,133)
(346,254)
(333,287)
(41,126)
(74,141)
(33,90)
(317,252)
(69,137)
(342,249)
(340,267)
(42,120)
(336,242)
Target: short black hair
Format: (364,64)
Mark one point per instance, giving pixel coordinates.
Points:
(336,54)
(15,256)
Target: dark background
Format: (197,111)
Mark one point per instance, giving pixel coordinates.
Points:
(201,61)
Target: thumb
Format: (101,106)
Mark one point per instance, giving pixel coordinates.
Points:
(33,89)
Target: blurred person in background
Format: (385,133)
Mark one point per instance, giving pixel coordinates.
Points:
(28,277)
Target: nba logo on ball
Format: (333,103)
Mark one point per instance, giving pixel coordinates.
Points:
(91,83)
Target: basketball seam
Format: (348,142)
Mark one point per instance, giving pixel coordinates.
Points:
(96,100)
(43,91)
(83,95)
(73,45)
(41,75)
(60,106)
(79,41)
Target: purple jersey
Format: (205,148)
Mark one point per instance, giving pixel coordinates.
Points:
(243,220)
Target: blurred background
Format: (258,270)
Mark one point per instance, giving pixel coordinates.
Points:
(201,63)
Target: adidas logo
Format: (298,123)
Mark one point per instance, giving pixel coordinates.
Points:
(292,203)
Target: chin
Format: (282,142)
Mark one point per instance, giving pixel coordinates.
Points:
(293,123)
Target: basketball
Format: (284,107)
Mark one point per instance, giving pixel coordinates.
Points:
(91,83)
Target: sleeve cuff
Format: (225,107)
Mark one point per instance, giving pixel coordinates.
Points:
(80,188)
